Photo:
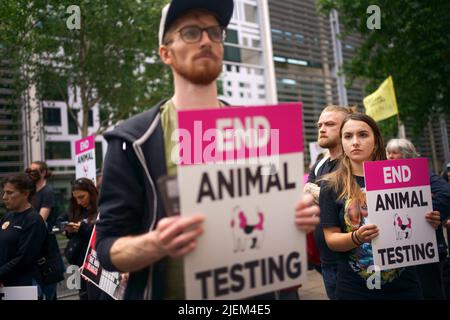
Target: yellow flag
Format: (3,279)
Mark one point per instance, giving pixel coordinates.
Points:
(382,104)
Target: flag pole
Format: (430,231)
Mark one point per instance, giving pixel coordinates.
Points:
(401,127)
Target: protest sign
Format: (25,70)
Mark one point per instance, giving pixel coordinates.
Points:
(107,281)
(85,159)
(242,167)
(398,197)
(19,293)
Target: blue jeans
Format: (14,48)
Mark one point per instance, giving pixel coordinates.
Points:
(329,274)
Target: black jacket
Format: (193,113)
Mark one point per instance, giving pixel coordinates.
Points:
(21,238)
(440,194)
(128,202)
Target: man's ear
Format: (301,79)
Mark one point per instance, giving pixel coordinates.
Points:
(165,55)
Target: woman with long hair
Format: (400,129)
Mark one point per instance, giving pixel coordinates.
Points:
(344,219)
(81,220)
(22,233)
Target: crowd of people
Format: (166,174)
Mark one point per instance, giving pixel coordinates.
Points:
(32,256)
(136,237)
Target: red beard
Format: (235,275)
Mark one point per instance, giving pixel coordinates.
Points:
(199,72)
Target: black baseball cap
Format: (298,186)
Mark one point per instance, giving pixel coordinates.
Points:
(222,9)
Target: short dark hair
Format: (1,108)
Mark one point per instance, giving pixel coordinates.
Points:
(22,182)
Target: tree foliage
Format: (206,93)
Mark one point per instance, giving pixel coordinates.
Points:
(413,45)
(112,59)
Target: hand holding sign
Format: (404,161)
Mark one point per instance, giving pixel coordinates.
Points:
(434,218)
(176,236)
(306,214)
(367,233)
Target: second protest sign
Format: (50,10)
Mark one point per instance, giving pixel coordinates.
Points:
(398,197)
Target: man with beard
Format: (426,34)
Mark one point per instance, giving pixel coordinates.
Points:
(134,233)
(329,125)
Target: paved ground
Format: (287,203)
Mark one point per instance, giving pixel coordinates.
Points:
(313,289)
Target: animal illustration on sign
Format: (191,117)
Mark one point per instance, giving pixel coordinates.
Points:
(247,228)
(402,225)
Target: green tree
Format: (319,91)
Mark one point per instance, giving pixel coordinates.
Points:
(107,50)
(412,45)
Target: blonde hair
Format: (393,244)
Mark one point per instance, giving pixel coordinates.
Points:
(336,108)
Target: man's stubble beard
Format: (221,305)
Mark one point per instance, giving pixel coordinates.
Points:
(328,144)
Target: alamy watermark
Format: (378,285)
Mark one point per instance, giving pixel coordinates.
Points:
(374,21)
(374,280)
(228,146)
(73,22)
(74,279)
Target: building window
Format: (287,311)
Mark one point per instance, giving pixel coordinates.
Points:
(232,37)
(219,87)
(73,128)
(277,35)
(55,150)
(10,169)
(52,116)
(232,54)
(297,62)
(290,82)
(13,158)
(251,13)
(299,38)
(103,114)
(9,147)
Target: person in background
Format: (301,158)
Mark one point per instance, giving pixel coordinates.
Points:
(328,137)
(22,233)
(81,220)
(44,199)
(343,210)
(44,203)
(431,274)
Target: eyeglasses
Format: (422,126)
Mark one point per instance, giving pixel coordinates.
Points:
(193,34)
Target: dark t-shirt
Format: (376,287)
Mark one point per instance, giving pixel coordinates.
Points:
(353,266)
(45,198)
(22,235)
(327,257)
